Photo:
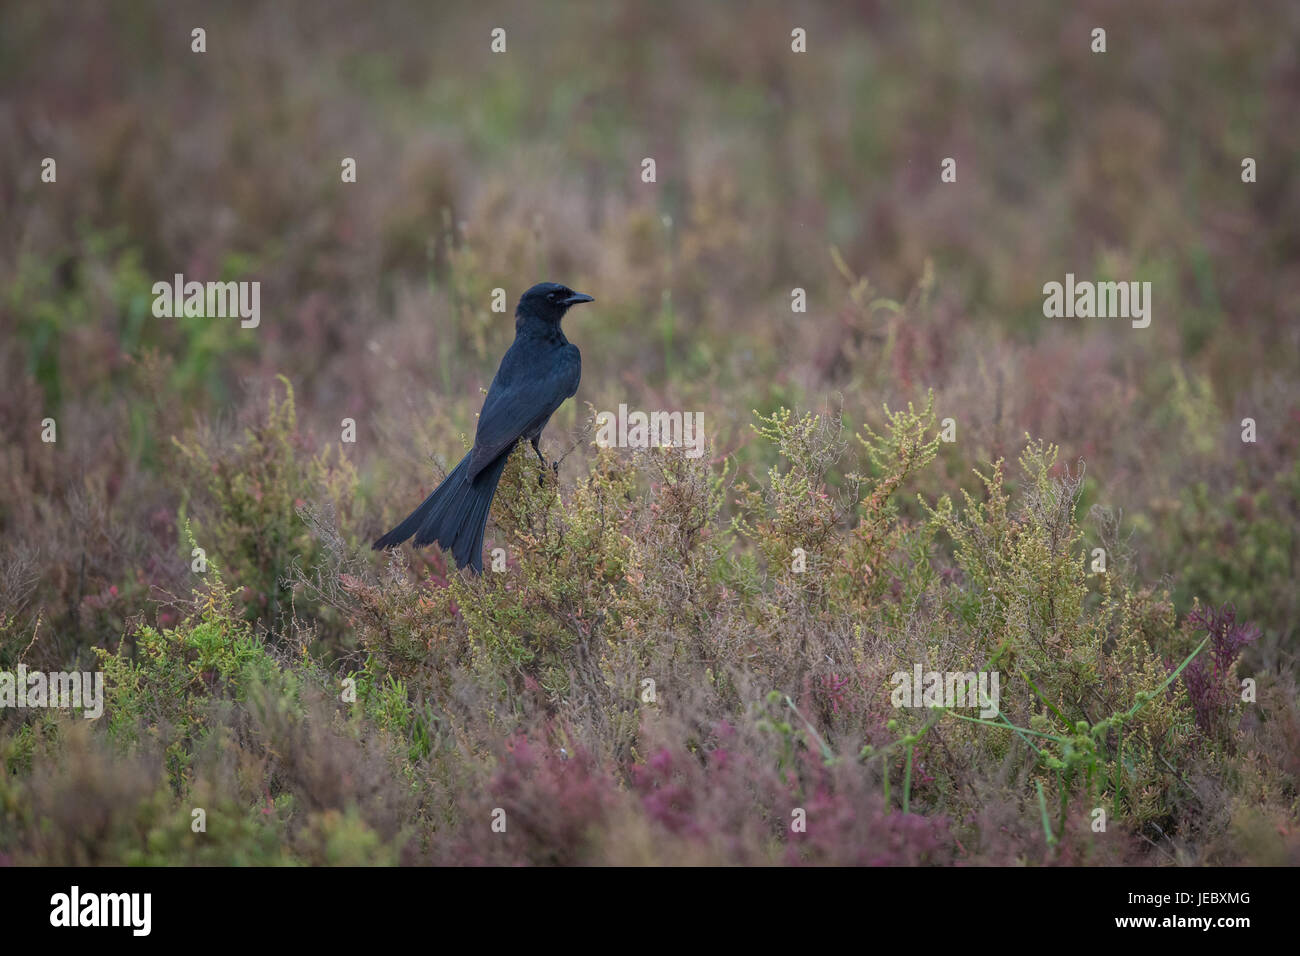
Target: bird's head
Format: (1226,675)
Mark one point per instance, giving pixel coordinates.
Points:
(548,301)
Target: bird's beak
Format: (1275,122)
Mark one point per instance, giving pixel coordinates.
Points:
(578,297)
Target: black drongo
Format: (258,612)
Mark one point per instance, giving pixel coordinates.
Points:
(539,371)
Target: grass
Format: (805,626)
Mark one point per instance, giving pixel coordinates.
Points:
(682,656)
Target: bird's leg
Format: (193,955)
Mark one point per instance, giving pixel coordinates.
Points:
(536,443)
(555,465)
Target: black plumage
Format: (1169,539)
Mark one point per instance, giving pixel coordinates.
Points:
(539,371)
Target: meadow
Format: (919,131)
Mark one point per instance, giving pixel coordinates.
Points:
(685,660)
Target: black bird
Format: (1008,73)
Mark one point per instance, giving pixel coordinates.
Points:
(539,371)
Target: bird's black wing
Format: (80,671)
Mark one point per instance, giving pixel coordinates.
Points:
(521,398)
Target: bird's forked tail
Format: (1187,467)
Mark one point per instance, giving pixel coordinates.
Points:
(454,515)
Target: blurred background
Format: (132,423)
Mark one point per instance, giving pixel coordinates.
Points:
(775,170)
